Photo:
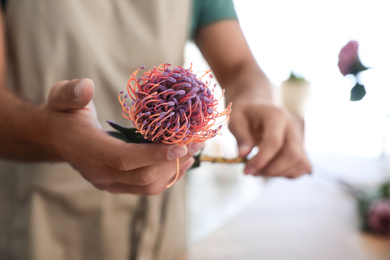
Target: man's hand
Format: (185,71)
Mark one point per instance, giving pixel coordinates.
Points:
(278,135)
(109,164)
(255,120)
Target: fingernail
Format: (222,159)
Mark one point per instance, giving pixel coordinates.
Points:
(195,147)
(249,170)
(177,152)
(244,149)
(78,90)
(190,162)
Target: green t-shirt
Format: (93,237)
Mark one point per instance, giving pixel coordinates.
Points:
(204,12)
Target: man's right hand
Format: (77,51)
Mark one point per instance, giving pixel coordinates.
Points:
(75,136)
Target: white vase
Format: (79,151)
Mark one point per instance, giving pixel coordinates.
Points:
(295,96)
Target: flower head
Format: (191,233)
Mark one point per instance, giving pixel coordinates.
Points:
(349,62)
(378,218)
(173,105)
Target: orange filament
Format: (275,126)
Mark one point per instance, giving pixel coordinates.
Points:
(177,174)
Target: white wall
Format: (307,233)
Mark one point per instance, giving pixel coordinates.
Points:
(306,36)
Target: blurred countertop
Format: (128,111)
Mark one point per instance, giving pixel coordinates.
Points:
(303,219)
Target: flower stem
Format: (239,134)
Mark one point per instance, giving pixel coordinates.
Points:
(205,158)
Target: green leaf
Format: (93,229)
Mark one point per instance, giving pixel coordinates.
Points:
(119,136)
(198,160)
(293,77)
(363,208)
(357,67)
(129,135)
(364,205)
(384,190)
(357,92)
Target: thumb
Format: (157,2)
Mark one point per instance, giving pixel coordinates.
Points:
(241,130)
(70,95)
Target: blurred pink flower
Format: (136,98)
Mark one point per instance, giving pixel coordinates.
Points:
(348,56)
(349,63)
(378,218)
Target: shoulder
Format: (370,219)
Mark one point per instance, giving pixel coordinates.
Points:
(206,12)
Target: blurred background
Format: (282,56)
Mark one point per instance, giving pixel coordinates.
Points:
(305,37)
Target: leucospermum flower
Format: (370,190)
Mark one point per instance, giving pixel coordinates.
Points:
(173,106)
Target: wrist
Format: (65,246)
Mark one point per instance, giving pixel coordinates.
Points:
(251,87)
(23,130)
(48,144)
(255,94)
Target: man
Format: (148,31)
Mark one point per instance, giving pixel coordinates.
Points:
(62,64)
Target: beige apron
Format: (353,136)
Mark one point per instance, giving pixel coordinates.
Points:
(47,210)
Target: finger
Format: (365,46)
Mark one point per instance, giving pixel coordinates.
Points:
(120,188)
(154,188)
(140,155)
(71,95)
(291,161)
(193,148)
(298,170)
(277,167)
(147,175)
(286,159)
(183,169)
(284,167)
(117,154)
(240,128)
(271,143)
